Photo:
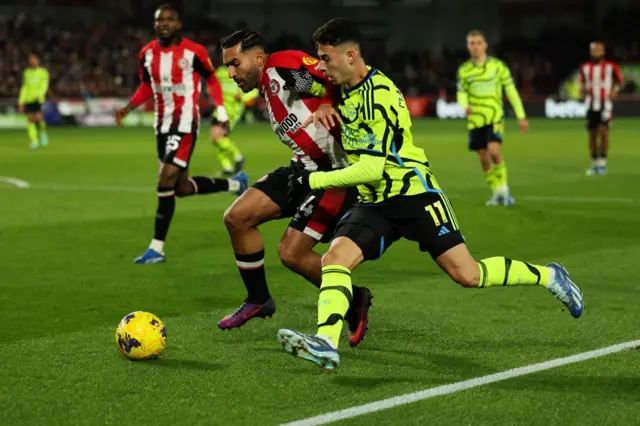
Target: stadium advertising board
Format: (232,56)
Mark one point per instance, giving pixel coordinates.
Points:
(550,108)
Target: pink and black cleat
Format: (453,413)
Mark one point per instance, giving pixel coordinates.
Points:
(358,316)
(247,311)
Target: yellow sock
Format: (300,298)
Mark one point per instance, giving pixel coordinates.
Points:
(230,149)
(490,177)
(32,131)
(224,160)
(335,297)
(508,272)
(501,173)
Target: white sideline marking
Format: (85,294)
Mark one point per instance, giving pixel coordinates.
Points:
(108,188)
(126,188)
(18,183)
(459,386)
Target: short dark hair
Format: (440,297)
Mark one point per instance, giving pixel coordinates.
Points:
(169,6)
(476,33)
(247,39)
(338,31)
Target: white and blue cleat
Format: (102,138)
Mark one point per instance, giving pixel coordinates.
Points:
(310,348)
(44,140)
(243,180)
(566,290)
(150,256)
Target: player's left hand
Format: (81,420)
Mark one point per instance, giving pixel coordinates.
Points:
(613,95)
(524,125)
(325,115)
(298,186)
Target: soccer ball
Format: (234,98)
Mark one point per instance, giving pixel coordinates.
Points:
(141,335)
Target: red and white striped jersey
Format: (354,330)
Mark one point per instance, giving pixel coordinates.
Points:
(173,75)
(293,89)
(599,79)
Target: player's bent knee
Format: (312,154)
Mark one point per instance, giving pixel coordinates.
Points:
(343,252)
(466,277)
(239,219)
(290,256)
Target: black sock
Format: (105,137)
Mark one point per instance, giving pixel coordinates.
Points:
(164,212)
(594,155)
(206,185)
(602,155)
(251,267)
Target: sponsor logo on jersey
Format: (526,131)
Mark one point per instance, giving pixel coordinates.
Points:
(290,124)
(308,60)
(274,87)
(178,89)
(352,112)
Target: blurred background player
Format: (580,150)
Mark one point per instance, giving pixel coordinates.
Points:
(35,84)
(293,89)
(481,82)
(600,81)
(230,158)
(170,71)
(399,198)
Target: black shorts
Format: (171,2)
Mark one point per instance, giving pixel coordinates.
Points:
(176,148)
(595,119)
(427,219)
(318,213)
(479,138)
(33,108)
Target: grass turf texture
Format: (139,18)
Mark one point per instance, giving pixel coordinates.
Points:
(67,278)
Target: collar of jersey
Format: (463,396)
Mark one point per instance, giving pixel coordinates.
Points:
(175,46)
(370,74)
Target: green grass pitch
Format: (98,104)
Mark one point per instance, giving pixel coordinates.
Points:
(67,278)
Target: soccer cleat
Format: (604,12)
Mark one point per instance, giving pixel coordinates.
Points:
(357,316)
(602,170)
(592,171)
(248,311)
(311,348)
(495,200)
(508,200)
(44,140)
(34,145)
(150,256)
(243,180)
(566,290)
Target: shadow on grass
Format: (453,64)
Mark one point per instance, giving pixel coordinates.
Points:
(614,388)
(183,364)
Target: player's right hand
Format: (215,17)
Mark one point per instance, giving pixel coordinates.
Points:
(325,115)
(121,114)
(467,110)
(21,108)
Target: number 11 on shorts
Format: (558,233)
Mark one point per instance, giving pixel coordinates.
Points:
(432,211)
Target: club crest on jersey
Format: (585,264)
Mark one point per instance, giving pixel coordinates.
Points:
(308,60)
(274,87)
(183,63)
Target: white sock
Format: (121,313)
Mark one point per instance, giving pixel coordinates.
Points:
(327,339)
(239,158)
(502,189)
(157,245)
(602,162)
(234,185)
